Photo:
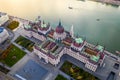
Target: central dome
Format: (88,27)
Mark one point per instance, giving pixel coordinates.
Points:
(59,28)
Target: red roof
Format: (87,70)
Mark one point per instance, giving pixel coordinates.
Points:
(44,29)
(76,44)
(59,28)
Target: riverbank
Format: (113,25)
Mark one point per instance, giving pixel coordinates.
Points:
(112,2)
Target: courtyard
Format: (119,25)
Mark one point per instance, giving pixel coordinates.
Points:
(76,72)
(60,77)
(25,43)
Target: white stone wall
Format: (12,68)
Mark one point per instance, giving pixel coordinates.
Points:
(48,59)
(59,36)
(3,35)
(40,37)
(78,48)
(102,60)
(40,54)
(91,66)
(82,59)
(44,32)
(3,19)
(77,56)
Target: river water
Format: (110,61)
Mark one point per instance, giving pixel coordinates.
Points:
(97,22)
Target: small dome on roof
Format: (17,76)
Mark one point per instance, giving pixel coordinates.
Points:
(78,42)
(95,58)
(27,26)
(100,48)
(43,25)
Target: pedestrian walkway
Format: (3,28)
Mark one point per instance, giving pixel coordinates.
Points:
(5,77)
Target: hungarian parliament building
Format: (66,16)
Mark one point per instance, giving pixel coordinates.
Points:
(57,42)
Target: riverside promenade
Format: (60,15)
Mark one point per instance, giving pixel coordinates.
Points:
(112,2)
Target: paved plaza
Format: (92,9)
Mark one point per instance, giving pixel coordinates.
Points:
(31,71)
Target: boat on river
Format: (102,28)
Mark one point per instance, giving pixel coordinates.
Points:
(70,7)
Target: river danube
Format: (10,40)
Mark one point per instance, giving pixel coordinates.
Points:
(97,22)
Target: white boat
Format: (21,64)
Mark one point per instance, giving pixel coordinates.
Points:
(70,7)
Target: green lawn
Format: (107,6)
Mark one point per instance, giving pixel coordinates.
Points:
(25,43)
(60,77)
(12,55)
(12,25)
(76,72)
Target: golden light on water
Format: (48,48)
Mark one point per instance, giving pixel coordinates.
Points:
(30,8)
(23,6)
(83,16)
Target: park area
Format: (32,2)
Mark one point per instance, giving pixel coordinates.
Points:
(60,77)
(76,73)
(24,42)
(12,25)
(11,55)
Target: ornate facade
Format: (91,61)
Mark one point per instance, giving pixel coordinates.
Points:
(52,51)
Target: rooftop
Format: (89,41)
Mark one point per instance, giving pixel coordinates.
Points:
(1,14)
(43,25)
(49,48)
(78,40)
(27,26)
(68,41)
(95,58)
(100,48)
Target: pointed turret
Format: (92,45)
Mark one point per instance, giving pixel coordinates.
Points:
(59,28)
(59,24)
(48,25)
(44,28)
(72,32)
(38,18)
(43,22)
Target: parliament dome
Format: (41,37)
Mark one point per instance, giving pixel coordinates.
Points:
(59,28)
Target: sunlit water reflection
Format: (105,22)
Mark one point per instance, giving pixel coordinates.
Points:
(84,16)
